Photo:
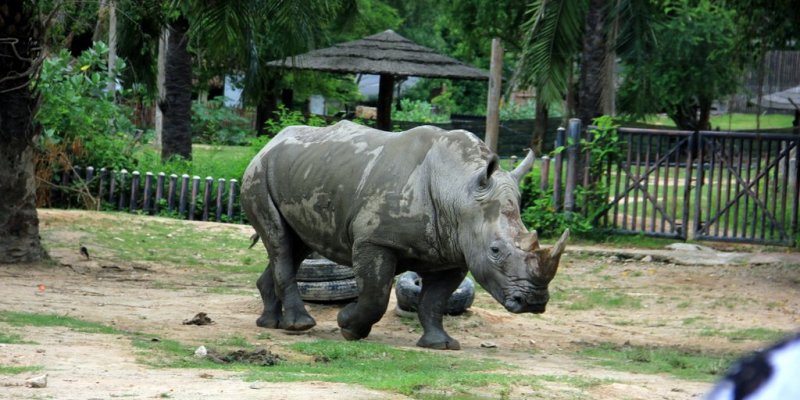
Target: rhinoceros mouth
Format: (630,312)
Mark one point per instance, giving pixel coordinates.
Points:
(517,306)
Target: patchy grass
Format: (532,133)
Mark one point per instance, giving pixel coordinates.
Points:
(46,320)
(13,338)
(6,370)
(684,364)
(735,121)
(130,238)
(588,299)
(383,367)
(738,335)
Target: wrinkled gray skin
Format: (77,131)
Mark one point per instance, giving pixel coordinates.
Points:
(426,200)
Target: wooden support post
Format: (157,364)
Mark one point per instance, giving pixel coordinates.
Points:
(220,193)
(207,196)
(159,192)
(184,192)
(193,199)
(385,94)
(173,186)
(557,168)
(123,176)
(147,205)
(134,190)
(572,163)
(102,185)
(231,198)
(493,98)
(112,185)
(544,177)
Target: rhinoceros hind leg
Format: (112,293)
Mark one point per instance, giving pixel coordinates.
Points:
(374,268)
(436,290)
(271,316)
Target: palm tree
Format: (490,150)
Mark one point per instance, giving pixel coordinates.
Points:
(20,30)
(243,35)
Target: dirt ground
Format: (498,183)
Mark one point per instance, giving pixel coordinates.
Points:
(678,305)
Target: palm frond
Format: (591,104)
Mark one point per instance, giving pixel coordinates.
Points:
(554,29)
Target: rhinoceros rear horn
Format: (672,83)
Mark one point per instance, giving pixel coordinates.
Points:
(528,241)
(524,167)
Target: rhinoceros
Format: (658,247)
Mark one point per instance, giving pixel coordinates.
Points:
(427,200)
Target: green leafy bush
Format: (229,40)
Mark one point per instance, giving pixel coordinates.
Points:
(285,117)
(418,111)
(80,119)
(213,123)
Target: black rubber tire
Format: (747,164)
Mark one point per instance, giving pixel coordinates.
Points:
(321,270)
(408,288)
(338,290)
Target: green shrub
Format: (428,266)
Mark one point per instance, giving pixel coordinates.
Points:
(285,117)
(80,119)
(214,123)
(418,111)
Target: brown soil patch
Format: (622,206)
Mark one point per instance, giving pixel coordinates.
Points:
(688,307)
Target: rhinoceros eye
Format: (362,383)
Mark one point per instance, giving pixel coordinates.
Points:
(495,250)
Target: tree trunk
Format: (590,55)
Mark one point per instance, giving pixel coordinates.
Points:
(19,223)
(287,98)
(267,106)
(385,94)
(592,63)
(176,107)
(539,127)
(264,111)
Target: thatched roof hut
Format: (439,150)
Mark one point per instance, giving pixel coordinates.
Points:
(386,54)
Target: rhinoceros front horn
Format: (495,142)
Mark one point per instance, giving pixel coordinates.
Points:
(550,257)
(524,167)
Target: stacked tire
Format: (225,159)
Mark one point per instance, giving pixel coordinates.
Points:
(408,289)
(322,280)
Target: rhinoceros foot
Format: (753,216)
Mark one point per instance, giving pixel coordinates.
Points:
(267,321)
(299,323)
(438,342)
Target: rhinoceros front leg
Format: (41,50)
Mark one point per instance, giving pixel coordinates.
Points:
(374,267)
(436,290)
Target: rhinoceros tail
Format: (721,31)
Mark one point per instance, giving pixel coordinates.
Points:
(254,239)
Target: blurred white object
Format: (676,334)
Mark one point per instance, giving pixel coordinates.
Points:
(770,374)
(201,352)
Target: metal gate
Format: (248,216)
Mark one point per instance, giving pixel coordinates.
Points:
(732,186)
(647,183)
(746,188)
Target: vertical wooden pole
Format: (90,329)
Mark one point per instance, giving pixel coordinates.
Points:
(112,46)
(134,190)
(123,175)
(184,191)
(101,188)
(557,168)
(173,185)
(385,94)
(220,194)
(231,197)
(159,192)
(493,98)
(147,205)
(572,163)
(207,196)
(193,199)
(160,80)
(544,178)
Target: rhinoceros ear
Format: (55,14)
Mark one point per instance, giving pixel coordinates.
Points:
(492,166)
(524,167)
